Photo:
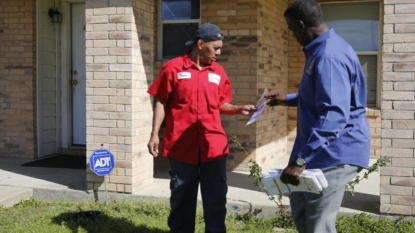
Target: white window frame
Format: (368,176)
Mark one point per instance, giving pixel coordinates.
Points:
(377,53)
(160,28)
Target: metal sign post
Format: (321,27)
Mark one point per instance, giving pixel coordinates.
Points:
(102,163)
(106,190)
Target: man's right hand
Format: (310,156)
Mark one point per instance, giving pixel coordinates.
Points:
(276,99)
(153,145)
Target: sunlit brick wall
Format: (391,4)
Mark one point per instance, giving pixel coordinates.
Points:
(119,55)
(272,73)
(18,78)
(398,108)
(254,56)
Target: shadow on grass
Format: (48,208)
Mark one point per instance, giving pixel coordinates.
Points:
(98,222)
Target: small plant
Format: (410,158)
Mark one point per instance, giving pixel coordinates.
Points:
(358,223)
(365,223)
(284,217)
(256,173)
(381,162)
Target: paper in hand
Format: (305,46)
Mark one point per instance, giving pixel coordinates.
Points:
(258,111)
(311,180)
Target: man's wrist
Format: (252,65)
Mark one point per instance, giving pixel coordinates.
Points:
(238,109)
(300,162)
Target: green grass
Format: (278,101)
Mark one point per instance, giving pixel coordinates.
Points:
(145,217)
(44,217)
(364,223)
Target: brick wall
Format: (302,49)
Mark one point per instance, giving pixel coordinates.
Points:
(296,61)
(119,55)
(259,53)
(239,23)
(143,63)
(254,57)
(398,108)
(272,73)
(18,78)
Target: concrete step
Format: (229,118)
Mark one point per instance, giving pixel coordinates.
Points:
(10,196)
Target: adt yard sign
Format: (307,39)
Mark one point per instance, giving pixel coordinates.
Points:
(101,162)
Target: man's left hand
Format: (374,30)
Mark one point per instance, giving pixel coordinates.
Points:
(291,174)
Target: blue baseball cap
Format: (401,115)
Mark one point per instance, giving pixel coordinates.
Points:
(207,31)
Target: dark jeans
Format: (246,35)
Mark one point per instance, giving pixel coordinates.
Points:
(184,183)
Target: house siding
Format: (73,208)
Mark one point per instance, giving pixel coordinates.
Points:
(47,84)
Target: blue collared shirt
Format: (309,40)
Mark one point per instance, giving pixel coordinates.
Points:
(332,127)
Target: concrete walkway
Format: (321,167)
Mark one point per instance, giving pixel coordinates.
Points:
(17,183)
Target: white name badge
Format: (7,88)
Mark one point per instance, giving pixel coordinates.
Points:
(214,78)
(184,75)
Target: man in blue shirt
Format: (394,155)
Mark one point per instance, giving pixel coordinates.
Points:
(332,129)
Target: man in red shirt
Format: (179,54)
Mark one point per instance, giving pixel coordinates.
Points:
(191,92)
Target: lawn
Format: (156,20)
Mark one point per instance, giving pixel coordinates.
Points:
(145,217)
(44,217)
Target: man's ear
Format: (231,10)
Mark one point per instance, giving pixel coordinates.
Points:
(200,43)
(301,25)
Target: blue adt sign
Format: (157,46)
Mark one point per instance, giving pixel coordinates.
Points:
(101,162)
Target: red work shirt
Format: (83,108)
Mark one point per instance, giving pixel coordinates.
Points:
(192,97)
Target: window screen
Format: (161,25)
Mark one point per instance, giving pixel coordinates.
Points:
(180,9)
(358,24)
(179,22)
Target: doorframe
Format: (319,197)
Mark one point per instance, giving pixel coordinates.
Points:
(66,72)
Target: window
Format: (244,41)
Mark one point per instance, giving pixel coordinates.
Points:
(359,24)
(178,23)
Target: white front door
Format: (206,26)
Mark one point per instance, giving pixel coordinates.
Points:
(78,79)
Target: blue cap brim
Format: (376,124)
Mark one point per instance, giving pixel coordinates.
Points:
(190,42)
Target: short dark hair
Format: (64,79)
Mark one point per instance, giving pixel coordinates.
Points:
(308,11)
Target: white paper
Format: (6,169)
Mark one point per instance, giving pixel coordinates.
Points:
(258,111)
(311,180)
